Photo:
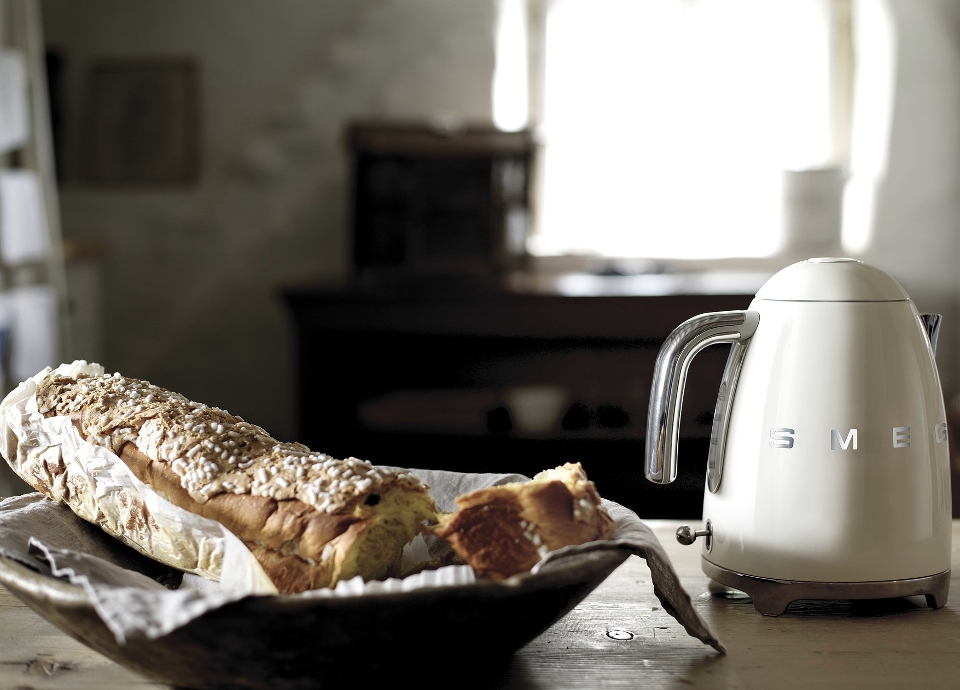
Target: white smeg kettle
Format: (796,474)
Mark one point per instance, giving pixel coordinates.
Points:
(829,474)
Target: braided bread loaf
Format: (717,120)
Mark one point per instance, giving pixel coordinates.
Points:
(309,519)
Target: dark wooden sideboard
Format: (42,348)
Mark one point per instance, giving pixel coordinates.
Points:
(432,375)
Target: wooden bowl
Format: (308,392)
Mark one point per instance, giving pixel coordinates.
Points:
(454,635)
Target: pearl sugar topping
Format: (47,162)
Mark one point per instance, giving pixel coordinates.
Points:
(210,450)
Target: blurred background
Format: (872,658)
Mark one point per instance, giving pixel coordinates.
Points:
(454,233)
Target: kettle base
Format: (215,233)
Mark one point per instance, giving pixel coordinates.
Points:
(772,597)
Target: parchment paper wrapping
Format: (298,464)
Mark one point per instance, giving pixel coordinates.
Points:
(100,488)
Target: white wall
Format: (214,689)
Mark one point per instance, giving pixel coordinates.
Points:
(917,214)
(192,277)
(918,207)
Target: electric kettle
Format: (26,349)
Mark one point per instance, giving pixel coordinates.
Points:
(828,475)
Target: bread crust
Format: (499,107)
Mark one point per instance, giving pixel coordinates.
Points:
(505,530)
(266,526)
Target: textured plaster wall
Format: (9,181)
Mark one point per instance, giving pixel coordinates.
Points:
(192,276)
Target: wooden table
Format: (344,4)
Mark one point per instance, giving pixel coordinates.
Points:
(878,644)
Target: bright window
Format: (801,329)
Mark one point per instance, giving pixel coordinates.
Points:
(667,124)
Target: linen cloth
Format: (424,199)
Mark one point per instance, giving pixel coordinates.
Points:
(135,595)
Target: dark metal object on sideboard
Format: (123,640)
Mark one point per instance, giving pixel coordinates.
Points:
(438,198)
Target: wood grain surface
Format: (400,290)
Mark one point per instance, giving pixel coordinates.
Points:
(874,644)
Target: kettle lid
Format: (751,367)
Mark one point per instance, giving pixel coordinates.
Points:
(832,280)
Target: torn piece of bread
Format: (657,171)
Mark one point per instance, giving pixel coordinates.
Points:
(505,530)
(309,519)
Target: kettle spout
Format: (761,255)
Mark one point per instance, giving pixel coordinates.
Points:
(931,322)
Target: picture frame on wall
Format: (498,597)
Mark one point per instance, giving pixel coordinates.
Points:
(142,122)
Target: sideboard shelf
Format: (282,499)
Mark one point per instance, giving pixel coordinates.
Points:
(356,346)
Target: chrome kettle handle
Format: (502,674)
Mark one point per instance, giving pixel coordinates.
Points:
(931,324)
(669,381)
